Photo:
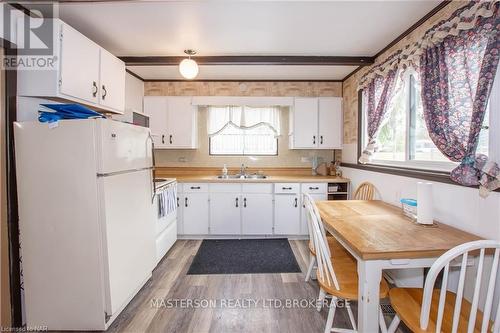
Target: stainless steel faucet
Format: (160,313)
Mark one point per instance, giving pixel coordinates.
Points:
(243,169)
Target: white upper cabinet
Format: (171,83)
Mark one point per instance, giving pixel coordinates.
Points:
(182,123)
(112,81)
(173,122)
(79,65)
(304,123)
(330,122)
(83,73)
(156,108)
(316,123)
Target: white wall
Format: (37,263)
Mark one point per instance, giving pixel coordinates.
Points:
(455,205)
(134,93)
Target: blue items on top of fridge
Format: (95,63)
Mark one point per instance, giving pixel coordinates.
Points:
(54,112)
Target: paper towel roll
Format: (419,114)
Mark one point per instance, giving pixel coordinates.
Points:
(424,203)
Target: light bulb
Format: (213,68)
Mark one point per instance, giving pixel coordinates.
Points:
(188,68)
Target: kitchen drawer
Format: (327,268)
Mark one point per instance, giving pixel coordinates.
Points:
(314,188)
(257,188)
(195,187)
(283,188)
(225,188)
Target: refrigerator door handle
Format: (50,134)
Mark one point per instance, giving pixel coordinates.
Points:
(153,171)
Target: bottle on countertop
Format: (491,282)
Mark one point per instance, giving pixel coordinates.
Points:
(224,171)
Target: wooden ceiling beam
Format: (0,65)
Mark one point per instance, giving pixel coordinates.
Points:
(251,60)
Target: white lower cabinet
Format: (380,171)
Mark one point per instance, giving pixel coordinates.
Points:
(287,214)
(244,209)
(225,213)
(318,192)
(194,213)
(257,214)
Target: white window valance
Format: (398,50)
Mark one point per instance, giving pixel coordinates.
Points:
(243,117)
(254,101)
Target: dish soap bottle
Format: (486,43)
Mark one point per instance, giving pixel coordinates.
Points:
(224,171)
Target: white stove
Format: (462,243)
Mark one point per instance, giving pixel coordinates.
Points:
(165,203)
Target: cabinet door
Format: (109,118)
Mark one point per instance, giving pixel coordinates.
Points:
(330,123)
(112,81)
(156,108)
(286,215)
(225,214)
(79,66)
(181,123)
(304,229)
(195,213)
(257,214)
(305,123)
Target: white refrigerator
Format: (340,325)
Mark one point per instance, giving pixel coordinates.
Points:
(85,190)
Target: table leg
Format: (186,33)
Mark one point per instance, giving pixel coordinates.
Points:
(369,276)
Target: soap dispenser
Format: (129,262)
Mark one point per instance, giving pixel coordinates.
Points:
(224,171)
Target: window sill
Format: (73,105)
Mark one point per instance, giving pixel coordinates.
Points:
(436,176)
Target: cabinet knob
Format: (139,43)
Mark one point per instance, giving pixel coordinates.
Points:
(195,187)
(177,201)
(185,202)
(163,138)
(105,92)
(314,188)
(171,138)
(321,139)
(245,202)
(286,188)
(236,202)
(296,203)
(95,89)
(314,139)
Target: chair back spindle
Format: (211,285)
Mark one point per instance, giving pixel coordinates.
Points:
(365,191)
(326,271)
(443,264)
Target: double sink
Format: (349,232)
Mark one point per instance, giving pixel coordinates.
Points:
(243,176)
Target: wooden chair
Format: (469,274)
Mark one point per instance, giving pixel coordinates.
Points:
(365,191)
(311,210)
(337,277)
(441,310)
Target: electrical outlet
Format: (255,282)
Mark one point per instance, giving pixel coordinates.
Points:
(182,159)
(305,159)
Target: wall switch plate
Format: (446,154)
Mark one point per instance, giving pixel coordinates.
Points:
(305,159)
(182,159)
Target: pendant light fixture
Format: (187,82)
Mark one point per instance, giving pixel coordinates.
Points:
(188,67)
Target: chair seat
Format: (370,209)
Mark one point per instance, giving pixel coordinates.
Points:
(346,270)
(335,247)
(408,302)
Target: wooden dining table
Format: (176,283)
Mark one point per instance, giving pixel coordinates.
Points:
(381,237)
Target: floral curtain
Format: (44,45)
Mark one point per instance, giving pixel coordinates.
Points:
(457,75)
(243,117)
(377,94)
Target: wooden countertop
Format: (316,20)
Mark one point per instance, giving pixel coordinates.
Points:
(275,175)
(269,179)
(377,230)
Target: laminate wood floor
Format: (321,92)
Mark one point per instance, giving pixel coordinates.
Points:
(163,303)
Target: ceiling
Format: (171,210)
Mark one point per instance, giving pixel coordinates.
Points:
(216,28)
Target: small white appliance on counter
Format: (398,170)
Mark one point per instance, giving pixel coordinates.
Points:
(165,203)
(86,219)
